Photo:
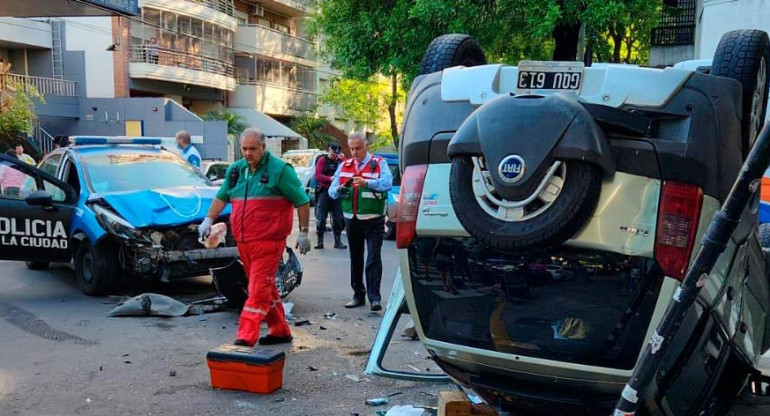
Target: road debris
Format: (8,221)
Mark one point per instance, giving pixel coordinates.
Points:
(302,322)
(405,411)
(395,394)
(322,328)
(330,315)
(352,377)
(378,401)
(311,368)
(172,373)
(415,369)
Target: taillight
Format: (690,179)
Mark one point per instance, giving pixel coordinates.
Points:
(678,218)
(409,204)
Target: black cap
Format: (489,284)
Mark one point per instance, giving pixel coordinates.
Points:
(335,147)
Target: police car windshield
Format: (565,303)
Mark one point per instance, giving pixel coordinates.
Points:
(131,171)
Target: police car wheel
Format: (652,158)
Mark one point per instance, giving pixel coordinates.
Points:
(544,220)
(94,267)
(38,265)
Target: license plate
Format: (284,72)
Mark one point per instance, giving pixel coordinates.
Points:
(543,77)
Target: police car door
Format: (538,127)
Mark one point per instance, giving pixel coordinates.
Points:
(35,213)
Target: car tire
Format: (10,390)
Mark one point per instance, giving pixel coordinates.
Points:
(232,283)
(559,222)
(451,50)
(390,229)
(744,55)
(37,265)
(96,268)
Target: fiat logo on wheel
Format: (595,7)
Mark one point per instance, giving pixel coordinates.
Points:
(511,169)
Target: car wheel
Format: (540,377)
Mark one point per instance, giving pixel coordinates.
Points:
(744,55)
(390,229)
(37,265)
(232,283)
(96,268)
(556,210)
(452,50)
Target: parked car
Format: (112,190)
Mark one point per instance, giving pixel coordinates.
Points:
(115,208)
(390,217)
(550,211)
(304,162)
(215,170)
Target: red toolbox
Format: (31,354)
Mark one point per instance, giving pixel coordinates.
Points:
(256,370)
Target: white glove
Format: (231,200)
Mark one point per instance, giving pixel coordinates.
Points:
(303,242)
(204,229)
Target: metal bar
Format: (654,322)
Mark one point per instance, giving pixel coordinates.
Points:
(713,244)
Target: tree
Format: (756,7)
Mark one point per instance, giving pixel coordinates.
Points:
(235,123)
(17,108)
(365,102)
(311,128)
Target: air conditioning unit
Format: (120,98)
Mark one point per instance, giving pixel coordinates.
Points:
(257,10)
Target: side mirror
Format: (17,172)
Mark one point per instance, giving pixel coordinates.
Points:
(40,198)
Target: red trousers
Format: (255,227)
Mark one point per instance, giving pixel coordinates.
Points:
(260,260)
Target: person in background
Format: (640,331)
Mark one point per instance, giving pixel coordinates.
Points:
(361,183)
(189,152)
(263,190)
(325,168)
(23,156)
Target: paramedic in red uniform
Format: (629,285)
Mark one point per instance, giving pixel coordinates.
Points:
(263,195)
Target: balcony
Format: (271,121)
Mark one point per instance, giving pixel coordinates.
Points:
(219,12)
(173,66)
(273,99)
(43,85)
(261,40)
(222,6)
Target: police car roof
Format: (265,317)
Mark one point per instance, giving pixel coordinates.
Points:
(118,149)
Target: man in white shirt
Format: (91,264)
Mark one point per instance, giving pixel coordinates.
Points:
(189,152)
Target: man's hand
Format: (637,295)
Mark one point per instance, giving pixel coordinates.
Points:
(204,229)
(359,182)
(303,242)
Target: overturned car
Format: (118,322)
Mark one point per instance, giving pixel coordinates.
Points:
(117,208)
(550,211)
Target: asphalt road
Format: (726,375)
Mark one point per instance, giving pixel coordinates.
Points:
(61,355)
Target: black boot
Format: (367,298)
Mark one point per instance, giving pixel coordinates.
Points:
(338,242)
(320,244)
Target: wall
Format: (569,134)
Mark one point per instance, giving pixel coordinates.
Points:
(720,16)
(40,62)
(93,35)
(25,32)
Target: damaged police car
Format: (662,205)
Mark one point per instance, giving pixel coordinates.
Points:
(116,208)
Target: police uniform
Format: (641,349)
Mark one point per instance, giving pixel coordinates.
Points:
(325,169)
(261,219)
(364,210)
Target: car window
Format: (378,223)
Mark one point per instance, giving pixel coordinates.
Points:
(396,172)
(217,171)
(18,184)
(131,171)
(51,164)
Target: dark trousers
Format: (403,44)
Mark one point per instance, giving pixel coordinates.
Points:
(370,233)
(324,205)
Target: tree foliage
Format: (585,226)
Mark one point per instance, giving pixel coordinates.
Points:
(235,123)
(311,128)
(17,110)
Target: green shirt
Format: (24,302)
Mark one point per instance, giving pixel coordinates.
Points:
(282,181)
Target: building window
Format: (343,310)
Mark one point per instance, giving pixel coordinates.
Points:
(677,24)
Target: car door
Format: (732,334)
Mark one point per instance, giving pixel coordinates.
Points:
(35,213)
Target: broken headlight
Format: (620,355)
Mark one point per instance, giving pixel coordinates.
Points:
(115,224)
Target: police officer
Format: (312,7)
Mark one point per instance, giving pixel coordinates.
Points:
(325,168)
(263,189)
(189,152)
(361,183)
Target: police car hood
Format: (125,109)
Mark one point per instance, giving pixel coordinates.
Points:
(166,207)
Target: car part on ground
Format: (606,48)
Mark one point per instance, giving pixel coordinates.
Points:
(395,308)
(232,283)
